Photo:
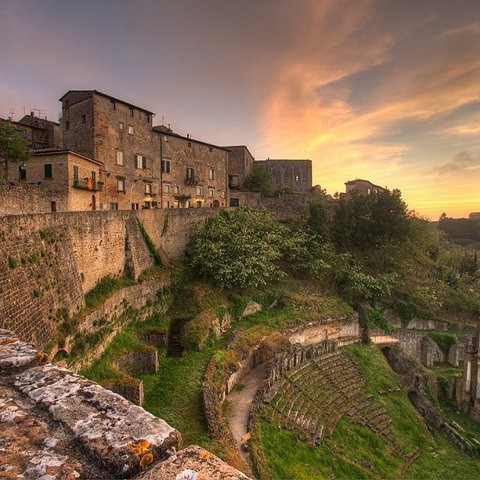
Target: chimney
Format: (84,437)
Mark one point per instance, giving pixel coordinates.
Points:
(31,113)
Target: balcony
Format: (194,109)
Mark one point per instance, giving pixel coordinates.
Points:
(87,184)
(190,181)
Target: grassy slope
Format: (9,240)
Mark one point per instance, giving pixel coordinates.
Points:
(355,451)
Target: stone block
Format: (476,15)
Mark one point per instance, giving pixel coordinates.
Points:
(121,436)
(193,463)
(251,308)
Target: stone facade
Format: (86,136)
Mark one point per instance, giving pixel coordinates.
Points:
(38,132)
(292,175)
(71,179)
(240,163)
(362,187)
(119,135)
(194,169)
(144,166)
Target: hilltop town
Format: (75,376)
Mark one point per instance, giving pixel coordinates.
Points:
(152,328)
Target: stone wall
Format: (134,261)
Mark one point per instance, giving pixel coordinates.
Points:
(141,361)
(347,326)
(23,199)
(129,388)
(49,261)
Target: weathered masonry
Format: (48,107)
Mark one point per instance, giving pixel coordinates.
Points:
(58,425)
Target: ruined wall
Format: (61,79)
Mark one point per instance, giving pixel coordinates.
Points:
(347,326)
(416,344)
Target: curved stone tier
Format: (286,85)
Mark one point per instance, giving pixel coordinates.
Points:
(311,398)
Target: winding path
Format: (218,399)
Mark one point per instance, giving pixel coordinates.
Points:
(241,401)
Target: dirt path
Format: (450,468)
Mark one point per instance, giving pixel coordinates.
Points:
(241,401)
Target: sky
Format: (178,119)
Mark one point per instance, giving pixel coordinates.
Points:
(387,91)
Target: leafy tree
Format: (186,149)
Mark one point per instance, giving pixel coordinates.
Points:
(259,180)
(239,249)
(13,148)
(366,222)
(319,216)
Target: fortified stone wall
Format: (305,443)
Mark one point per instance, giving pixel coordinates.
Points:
(49,261)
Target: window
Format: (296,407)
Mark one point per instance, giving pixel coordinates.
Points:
(53,205)
(67,125)
(233,180)
(140,161)
(297,178)
(210,149)
(84,119)
(189,144)
(211,192)
(147,117)
(176,204)
(198,191)
(48,170)
(211,174)
(130,111)
(119,158)
(148,188)
(75,175)
(130,129)
(166,166)
(121,126)
(176,189)
(93,177)
(114,206)
(190,173)
(166,188)
(22,172)
(120,185)
(112,105)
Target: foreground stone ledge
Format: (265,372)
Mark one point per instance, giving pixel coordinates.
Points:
(123,437)
(193,463)
(16,355)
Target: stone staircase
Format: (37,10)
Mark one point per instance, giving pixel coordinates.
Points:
(311,398)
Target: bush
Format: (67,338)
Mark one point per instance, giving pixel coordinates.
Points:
(239,249)
(444,340)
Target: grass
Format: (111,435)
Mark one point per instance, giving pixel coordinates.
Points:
(104,288)
(175,394)
(354,451)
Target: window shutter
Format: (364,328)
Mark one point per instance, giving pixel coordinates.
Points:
(144,162)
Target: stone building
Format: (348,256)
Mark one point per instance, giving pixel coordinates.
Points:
(474,216)
(144,166)
(193,172)
(68,180)
(119,135)
(240,162)
(39,133)
(362,187)
(291,176)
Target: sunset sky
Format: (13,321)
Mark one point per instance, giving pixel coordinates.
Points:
(383,90)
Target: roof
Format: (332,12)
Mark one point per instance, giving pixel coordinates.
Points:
(285,160)
(353,182)
(62,151)
(110,97)
(29,120)
(231,147)
(162,129)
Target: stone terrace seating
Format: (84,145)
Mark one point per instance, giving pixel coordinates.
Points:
(311,398)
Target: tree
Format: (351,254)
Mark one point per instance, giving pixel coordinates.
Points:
(319,215)
(259,180)
(13,148)
(241,248)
